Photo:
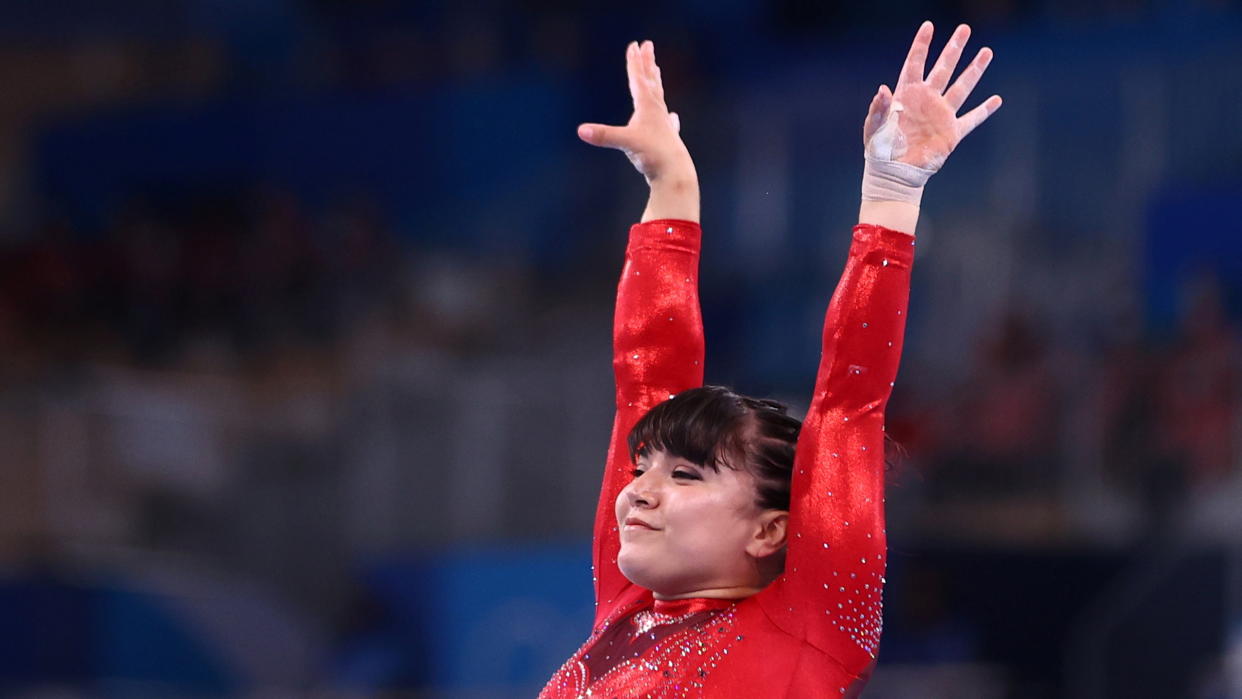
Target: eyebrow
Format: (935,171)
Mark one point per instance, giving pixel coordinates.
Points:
(678,462)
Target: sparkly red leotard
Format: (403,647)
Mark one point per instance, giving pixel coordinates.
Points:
(815,631)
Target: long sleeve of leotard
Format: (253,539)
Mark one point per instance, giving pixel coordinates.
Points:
(830,593)
(657,352)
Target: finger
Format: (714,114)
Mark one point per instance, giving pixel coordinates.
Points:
(970,120)
(648,51)
(604,136)
(634,71)
(642,87)
(916,60)
(876,113)
(653,71)
(965,83)
(674,121)
(947,63)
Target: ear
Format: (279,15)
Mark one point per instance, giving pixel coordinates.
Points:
(769,537)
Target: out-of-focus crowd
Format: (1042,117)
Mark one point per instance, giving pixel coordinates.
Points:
(234,277)
(215,283)
(239,285)
(1156,420)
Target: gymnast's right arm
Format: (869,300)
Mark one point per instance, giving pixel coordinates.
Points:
(658,327)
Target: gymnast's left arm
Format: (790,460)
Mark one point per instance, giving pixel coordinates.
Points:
(835,564)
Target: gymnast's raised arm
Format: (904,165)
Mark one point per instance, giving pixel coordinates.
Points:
(835,565)
(658,327)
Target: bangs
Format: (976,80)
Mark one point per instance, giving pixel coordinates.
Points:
(711,426)
(702,425)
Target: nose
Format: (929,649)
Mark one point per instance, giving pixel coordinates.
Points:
(640,493)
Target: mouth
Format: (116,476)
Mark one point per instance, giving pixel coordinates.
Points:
(635,523)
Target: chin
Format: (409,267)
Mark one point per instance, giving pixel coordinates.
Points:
(648,574)
(634,570)
(629,568)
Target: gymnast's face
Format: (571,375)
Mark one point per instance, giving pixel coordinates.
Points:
(686,529)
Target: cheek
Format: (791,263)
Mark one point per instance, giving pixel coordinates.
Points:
(619,505)
(727,521)
(706,521)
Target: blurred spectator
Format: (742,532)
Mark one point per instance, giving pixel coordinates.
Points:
(1168,413)
(1133,459)
(1197,391)
(1001,435)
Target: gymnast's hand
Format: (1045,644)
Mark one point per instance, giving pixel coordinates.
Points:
(910,132)
(651,140)
(918,125)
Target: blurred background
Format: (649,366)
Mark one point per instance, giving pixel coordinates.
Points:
(305,307)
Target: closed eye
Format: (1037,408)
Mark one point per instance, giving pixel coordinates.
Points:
(685,475)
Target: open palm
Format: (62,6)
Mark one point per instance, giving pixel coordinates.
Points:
(918,123)
(651,139)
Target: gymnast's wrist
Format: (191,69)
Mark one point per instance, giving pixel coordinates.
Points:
(675,183)
(679,174)
(889,180)
(895,215)
(673,198)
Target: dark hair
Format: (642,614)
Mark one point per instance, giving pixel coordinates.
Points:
(712,426)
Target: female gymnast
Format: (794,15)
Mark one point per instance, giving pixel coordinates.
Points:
(728,563)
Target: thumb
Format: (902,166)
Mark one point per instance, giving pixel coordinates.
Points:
(877,112)
(675,122)
(603,136)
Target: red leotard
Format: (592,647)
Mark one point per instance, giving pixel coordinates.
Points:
(815,631)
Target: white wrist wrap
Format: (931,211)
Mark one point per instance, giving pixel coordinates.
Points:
(888,180)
